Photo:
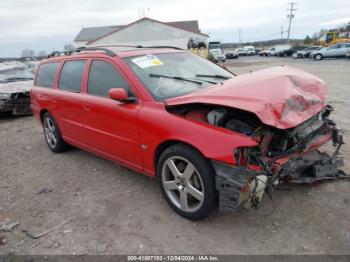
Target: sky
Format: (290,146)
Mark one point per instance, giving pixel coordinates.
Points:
(48,25)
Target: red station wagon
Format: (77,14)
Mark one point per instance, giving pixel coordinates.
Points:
(212,139)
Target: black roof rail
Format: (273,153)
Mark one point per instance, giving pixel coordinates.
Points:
(58,53)
(106,50)
(136,46)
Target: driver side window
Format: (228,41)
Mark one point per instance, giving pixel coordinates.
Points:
(102,77)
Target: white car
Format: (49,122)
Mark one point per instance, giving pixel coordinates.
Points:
(240,52)
(249,50)
(269,52)
(337,50)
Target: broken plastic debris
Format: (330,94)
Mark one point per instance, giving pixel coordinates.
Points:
(8,227)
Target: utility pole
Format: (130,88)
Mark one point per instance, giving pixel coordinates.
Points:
(282,32)
(239,36)
(290,16)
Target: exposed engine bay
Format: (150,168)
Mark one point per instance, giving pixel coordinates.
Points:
(290,155)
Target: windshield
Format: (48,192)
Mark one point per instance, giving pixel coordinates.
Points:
(176,74)
(15,74)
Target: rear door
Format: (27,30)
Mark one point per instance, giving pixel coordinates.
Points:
(69,105)
(43,96)
(343,49)
(111,127)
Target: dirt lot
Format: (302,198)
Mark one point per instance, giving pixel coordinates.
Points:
(112,210)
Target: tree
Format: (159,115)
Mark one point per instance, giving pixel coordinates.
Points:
(27,52)
(42,53)
(307,40)
(68,47)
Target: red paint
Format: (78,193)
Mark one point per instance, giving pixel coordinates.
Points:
(130,133)
(282,97)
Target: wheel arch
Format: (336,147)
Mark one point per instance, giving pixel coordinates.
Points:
(317,55)
(166,144)
(42,112)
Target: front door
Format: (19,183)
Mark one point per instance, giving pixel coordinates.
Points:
(333,51)
(111,127)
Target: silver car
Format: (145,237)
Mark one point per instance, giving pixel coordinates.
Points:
(337,50)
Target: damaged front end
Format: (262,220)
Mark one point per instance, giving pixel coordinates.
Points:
(290,155)
(283,155)
(17,103)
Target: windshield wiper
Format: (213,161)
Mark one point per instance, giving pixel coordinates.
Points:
(177,78)
(214,76)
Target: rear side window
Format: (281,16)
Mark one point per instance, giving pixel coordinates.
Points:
(72,75)
(46,75)
(102,77)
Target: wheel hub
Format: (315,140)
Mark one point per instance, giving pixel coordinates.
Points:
(178,179)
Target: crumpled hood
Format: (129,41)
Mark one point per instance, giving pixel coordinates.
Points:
(282,97)
(16,87)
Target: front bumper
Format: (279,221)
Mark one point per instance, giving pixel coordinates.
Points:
(18,104)
(240,187)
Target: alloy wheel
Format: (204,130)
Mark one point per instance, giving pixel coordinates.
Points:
(50,132)
(183,184)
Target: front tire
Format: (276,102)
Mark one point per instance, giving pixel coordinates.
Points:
(52,134)
(187,181)
(318,57)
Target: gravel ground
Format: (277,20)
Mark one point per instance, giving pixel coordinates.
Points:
(112,210)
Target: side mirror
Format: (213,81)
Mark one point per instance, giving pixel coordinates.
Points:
(120,95)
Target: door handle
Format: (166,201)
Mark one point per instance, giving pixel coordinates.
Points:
(87,108)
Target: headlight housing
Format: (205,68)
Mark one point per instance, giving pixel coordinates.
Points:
(5,96)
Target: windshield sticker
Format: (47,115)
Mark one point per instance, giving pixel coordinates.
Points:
(147,61)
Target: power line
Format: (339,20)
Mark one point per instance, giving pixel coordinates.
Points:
(290,16)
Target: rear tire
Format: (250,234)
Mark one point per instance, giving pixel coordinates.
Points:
(52,134)
(187,181)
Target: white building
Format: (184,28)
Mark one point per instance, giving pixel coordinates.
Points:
(144,32)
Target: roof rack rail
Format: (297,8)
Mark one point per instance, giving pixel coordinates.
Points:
(58,53)
(105,49)
(93,48)
(136,46)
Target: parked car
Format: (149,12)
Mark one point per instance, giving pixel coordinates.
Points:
(249,50)
(15,84)
(240,52)
(337,50)
(230,54)
(216,56)
(209,137)
(292,50)
(264,52)
(196,42)
(306,52)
